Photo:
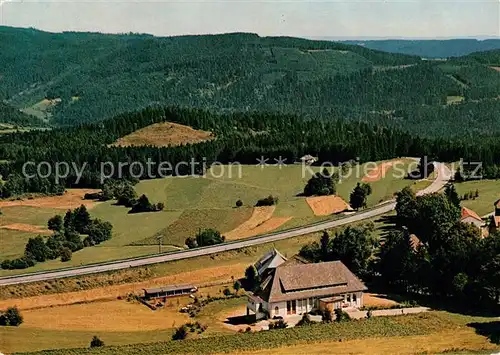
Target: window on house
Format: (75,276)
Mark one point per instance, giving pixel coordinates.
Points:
(288,307)
(276,310)
(311,303)
(348,298)
(354,298)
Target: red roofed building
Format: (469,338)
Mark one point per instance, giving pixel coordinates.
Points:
(469,216)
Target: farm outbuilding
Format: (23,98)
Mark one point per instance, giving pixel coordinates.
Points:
(169,291)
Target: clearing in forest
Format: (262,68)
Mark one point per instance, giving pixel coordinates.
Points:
(261,221)
(496,68)
(327,205)
(164,134)
(379,172)
(72,198)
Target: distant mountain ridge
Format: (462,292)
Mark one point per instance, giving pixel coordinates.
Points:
(72,78)
(430,48)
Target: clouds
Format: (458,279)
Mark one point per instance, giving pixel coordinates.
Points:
(361,18)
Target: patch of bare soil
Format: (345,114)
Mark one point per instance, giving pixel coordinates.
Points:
(197,277)
(26,228)
(496,68)
(72,198)
(164,134)
(261,221)
(379,172)
(327,205)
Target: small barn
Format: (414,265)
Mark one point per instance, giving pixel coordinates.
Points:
(169,291)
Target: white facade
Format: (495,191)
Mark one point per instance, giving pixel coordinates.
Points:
(300,306)
(473,221)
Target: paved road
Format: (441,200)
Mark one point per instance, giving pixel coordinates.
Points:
(443,176)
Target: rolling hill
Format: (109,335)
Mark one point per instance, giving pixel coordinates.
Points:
(72,78)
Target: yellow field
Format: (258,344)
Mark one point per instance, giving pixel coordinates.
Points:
(112,316)
(212,274)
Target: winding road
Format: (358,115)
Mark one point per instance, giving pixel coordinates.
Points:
(442,178)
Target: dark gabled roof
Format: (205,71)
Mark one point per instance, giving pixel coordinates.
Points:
(290,282)
(295,260)
(272,259)
(169,288)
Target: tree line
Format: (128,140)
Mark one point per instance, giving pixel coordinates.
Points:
(279,135)
(66,239)
(429,252)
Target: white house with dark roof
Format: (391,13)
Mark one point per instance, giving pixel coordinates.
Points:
(297,288)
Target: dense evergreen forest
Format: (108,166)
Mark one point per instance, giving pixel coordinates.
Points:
(100,76)
(241,137)
(15,117)
(430,48)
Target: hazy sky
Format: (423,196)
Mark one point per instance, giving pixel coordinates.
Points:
(362,18)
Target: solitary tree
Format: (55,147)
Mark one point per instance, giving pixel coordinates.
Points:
(452,195)
(209,237)
(237,285)
(191,242)
(66,254)
(239,203)
(11,317)
(252,278)
(180,333)
(359,196)
(96,342)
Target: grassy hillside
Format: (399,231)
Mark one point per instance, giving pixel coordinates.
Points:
(88,77)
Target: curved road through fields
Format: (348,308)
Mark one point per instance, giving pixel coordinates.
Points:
(443,176)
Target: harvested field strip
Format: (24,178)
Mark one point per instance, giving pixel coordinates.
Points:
(26,228)
(379,172)
(259,216)
(72,198)
(192,221)
(164,134)
(327,205)
(198,277)
(112,316)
